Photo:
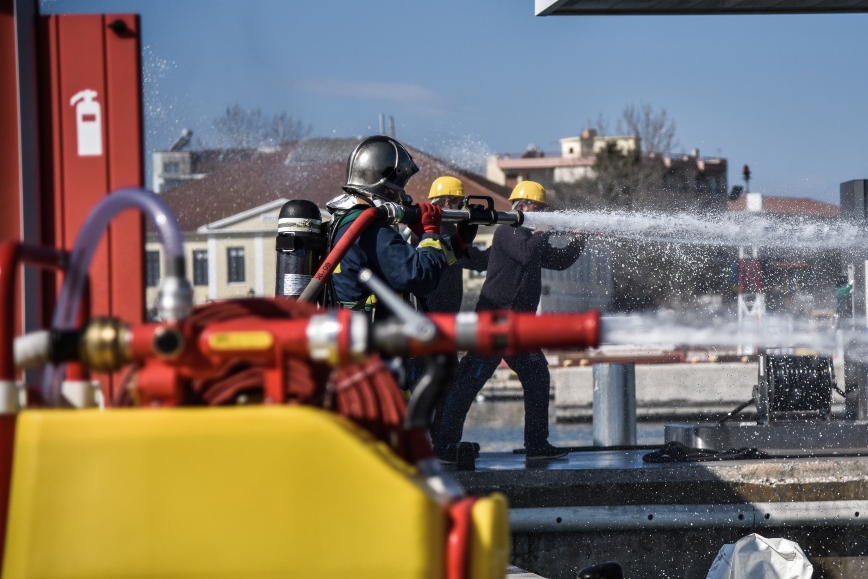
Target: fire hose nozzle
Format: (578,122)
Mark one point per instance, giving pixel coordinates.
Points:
(473,213)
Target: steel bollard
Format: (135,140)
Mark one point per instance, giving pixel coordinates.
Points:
(614,404)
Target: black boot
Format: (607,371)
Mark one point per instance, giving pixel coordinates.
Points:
(610,570)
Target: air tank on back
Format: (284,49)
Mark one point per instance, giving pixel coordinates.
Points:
(301,245)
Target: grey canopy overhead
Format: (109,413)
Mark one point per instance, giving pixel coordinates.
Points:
(613,7)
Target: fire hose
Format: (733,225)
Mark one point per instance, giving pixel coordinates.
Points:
(281,351)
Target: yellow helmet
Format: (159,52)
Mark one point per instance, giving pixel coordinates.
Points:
(446,187)
(529,190)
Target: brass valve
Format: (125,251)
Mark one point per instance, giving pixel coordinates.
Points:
(104,345)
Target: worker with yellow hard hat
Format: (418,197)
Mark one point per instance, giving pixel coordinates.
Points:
(448,193)
(513,282)
(529,194)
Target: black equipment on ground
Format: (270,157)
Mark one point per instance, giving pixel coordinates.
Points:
(794,388)
(301,246)
(608,570)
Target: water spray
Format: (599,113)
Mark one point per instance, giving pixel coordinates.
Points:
(725,229)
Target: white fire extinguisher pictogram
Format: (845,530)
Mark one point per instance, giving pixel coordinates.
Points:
(88,123)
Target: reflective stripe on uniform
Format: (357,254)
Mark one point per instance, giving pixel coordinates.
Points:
(438,244)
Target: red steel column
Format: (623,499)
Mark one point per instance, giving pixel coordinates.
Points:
(126,167)
(10,156)
(10,191)
(92,143)
(84,154)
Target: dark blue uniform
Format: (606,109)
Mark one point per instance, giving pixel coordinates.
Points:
(513,282)
(404,268)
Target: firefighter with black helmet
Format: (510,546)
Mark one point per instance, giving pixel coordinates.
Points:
(377,172)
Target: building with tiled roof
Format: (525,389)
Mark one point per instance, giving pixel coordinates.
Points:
(229,215)
(788,207)
(578,155)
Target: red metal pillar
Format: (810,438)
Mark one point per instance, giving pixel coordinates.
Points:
(92,144)
(10,155)
(126,168)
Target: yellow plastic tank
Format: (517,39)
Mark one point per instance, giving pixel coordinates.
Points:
(275,491)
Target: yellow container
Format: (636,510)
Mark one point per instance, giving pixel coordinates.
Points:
(275,491)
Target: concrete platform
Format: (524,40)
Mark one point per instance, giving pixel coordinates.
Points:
(833,491)
(513,572)
(802,436)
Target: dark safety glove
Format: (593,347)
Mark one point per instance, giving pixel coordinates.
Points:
(431,216)
(417,229)
(465,233)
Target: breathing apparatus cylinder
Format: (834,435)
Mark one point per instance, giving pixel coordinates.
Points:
(301,246)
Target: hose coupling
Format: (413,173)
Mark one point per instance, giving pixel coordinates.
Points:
(391,213)
(174,299)
(338,337)
(105,345)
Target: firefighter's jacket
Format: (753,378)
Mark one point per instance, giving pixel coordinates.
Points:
(448,295)
(381,249)
(514,278)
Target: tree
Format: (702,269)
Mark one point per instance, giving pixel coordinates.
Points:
(655,130)
(246,129)
(636,179)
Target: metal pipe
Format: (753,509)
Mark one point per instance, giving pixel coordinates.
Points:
(675,517)
(614,420)
(12,255)
(483,216)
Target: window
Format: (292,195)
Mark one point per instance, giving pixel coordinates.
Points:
(152,268)
(171,167)
(200,267)
(235,261)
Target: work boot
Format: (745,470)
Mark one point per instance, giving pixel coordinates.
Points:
(545,452)
(609,570)
(449,455)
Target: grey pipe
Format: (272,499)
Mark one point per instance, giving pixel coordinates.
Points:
(614,420)
(670,517)
(514,218)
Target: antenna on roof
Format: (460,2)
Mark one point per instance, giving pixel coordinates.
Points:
(382,124)
(182,141)
(392,127)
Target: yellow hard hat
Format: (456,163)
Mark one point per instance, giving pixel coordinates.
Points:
(529,190)
(446,187)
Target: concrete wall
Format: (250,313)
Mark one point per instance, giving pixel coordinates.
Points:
(662,390)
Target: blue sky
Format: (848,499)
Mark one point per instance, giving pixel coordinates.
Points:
(785,94)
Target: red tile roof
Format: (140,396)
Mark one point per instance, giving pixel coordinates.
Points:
(791,206)
(247,184)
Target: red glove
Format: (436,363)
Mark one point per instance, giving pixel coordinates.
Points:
(431,216)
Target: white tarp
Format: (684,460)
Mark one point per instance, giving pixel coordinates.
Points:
(755,557)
